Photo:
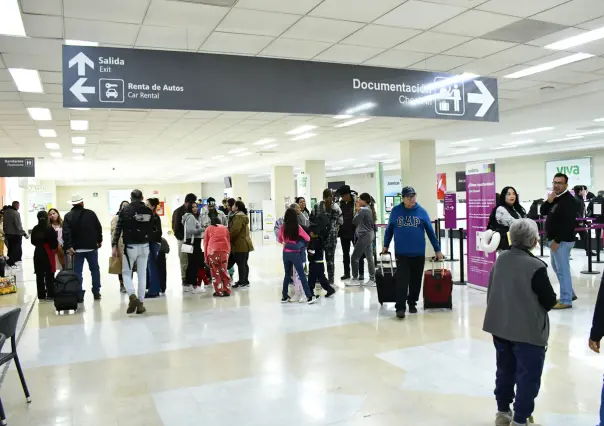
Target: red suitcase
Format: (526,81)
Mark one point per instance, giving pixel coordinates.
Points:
(438,288)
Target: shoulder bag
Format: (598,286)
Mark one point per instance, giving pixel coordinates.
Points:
(186,246)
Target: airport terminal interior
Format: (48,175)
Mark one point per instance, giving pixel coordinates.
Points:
(251,106)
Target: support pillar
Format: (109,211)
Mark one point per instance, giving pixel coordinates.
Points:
(282,188)
(240,187)
(315,170)
(418,169)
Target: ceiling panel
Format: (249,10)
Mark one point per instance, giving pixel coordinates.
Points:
(102,32)
(432,42)
(51,77)
(10,96)
(574,12)
(295,49)
(299,7)
(593,25)
(179,13)
(43,26)
(380,36)
(42,7)
(50,62)
(5,75)
(131,11)
(587,65)
(520,54)
(522,8)
(441,63)
(236,43)
(163,37)
(348,54)
(397,59)
(557,36)
(475,23)
(357,10)
(255,22)
(479,48)
(321,29)
(419,15)
(30,46)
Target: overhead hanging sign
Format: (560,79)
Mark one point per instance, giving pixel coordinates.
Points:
(17,167)
(103,77)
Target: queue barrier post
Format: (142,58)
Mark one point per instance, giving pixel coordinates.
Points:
(541,228)
(438,231)
(452,259)
(462,277)
(589,271)
(598,245)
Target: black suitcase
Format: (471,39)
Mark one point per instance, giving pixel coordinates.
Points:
(385,281)
(67,288)
(2,266)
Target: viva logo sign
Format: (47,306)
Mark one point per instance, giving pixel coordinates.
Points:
(569,170)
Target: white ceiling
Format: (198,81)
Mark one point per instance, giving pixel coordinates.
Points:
(441,35)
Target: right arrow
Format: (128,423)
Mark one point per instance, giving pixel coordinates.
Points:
(81,60)
(484,97)
(78,89)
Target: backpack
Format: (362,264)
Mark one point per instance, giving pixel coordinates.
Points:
(325,225)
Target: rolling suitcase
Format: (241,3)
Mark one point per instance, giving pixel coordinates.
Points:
(385,281)
(438,288)
(67,288)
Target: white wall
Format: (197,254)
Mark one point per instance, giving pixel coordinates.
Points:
(361,183)
(257,191)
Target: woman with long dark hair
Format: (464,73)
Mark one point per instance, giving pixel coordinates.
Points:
(294,240)
(241,243)
(44,238)
(56,222)
(153,275)
(120,244)
(507,211)
(334,215)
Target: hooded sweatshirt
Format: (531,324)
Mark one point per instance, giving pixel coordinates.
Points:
(407,226)
(191,227)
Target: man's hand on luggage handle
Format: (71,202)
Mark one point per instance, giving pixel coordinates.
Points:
(385,250)
(114,252)
(594,346)
(439,255)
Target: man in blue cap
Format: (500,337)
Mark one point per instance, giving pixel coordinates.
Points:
(408,223)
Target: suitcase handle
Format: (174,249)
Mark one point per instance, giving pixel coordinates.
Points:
(382,263)
(442,270)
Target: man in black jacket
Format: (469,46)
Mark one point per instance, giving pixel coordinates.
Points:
(561,211)
(179,233)
(14,233)
(347,230)
(597,212)
(135,226)
(83,237)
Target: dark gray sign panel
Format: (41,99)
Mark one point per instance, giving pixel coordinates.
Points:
(17,167)
(460,181)
(102,77)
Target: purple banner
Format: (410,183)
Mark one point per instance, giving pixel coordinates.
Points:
(450,210)
(481,196)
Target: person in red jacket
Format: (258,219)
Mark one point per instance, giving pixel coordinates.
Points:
(217,246)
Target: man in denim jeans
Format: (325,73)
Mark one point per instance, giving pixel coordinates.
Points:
(561,211)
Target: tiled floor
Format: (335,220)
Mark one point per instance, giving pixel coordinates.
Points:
(195,360)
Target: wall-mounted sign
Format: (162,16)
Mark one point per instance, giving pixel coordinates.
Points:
(392,185)
(578,171)
(460,181)
(441,185)
(103,77)
(18,167)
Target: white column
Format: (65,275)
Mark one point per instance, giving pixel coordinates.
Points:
(282,188)
(315,169)
(240,187)
(418,169)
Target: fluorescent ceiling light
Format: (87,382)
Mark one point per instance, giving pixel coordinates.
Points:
(237,150)
(217,157)
(378,155)
(593,132)
(39,114)
(81,43)
(362,107)
(78,150)
(80,109)
(497,148)
(537,130)
(52,145)
(517,143)
(56,154)
(549,65)
(342,117)
(80,125)
(26,80)
(577,40)
(302,129)
(47,133)
(264,141)
(243,154)
(337,168)
(78,140)
(273,145)
(361,165)
(388,161)
(570,138)
(354,121)
(11,23)
(466,141)
(463,151)
(78,157)
(304,136)
(599,120)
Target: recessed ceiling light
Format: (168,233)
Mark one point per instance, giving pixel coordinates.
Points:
(570,138)
(217,157)
(517,143)
(237,150)
(243,154)
(388,161)
(593,132)
(550,65)
(304,136)
(52,145)
(78,150)
(599,120)
(466,141)
(378,155)
(463,151)
(302,129)
(79,125)
(264,141)
(11,23)
(78,140)
(272,145)
(537,130)
(47,133)
(342,117)
(26,80)
(81,43)
(353,121)
(56,154)
(337,168)
(577,40)
(78,157)
(361,107)
(39,114)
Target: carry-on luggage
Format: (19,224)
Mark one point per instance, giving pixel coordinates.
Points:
(438,288)
(2,265)
(67,287)
(385,281)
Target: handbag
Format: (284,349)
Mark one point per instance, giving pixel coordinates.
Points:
(186,247)
(115,265)
(164,247)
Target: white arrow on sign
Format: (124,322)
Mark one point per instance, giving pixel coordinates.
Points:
(78,89)
(484,97)
(81,60)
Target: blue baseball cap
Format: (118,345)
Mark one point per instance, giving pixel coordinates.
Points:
(408,191)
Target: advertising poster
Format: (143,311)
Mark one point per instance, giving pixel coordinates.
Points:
(481,194)
(161,209)
(303,183)
(460,181)
(450,210)
(441,186)
(392,185)
(578,171)
(268,220)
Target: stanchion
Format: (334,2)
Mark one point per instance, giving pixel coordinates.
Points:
(438,231)
(462,268)
(598,245)
(540,226)
(452,259)
(589,271)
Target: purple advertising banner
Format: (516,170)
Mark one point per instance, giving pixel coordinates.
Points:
(450,210)
(481,194)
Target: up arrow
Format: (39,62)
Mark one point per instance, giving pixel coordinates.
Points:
(484,97)
(78,89)
(82,60)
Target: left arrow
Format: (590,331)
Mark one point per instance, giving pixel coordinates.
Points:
(78,89)
(81,60)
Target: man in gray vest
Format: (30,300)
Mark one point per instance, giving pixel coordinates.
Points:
(518,300)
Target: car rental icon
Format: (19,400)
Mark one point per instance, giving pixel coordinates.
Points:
(111,92)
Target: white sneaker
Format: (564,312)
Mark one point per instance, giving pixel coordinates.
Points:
(354,282)
(371,282)
(302,299)
(186,288)
(503,419)
(198,290)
